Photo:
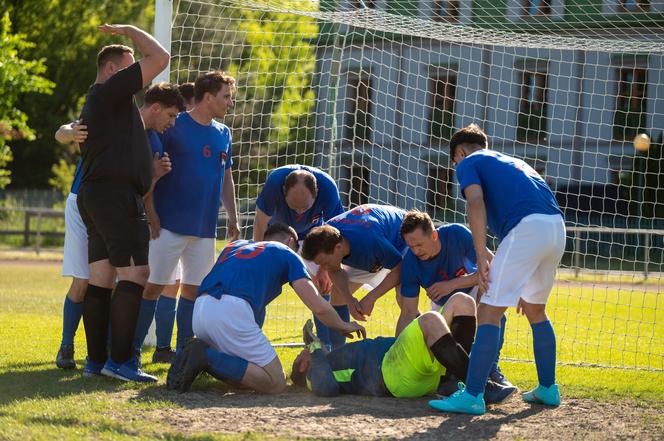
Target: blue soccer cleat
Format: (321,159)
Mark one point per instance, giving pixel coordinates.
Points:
(127,372)
(460,402)
(92,369)
(549,396)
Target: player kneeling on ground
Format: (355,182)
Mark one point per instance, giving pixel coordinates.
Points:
(410,365)
(230,310)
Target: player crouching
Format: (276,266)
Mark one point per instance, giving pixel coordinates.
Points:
(230,310)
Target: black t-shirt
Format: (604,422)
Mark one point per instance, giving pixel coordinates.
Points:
(116,148)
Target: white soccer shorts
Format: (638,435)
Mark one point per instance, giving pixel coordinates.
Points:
(195,253)
(75,258)
(526,261)
(228,325)
(365,277)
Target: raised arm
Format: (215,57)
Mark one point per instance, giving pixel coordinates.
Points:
(155,57)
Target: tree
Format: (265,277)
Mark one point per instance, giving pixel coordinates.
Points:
(17,77)
(66,36)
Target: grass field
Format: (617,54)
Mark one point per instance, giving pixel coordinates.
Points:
(616,324)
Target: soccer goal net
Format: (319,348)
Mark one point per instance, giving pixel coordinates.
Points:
(371,91)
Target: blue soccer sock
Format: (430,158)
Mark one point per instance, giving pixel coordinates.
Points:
(145,315)
(71,317)
(337,339)
(481,357)
(322,331)
(501,340)
(544,346)
(226,367)
(184,314)
(164,317)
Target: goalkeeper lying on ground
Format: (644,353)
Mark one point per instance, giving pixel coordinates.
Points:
(410,365)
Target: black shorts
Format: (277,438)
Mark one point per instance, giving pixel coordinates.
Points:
(114,216)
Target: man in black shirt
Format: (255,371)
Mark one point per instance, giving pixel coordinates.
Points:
(117,172)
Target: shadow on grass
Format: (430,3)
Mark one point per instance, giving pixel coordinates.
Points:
(17,383)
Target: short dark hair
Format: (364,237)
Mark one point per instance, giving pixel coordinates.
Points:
(308,179)
(187,91)
(165,94)
(471,134)
(211,82)
(280,229)
(320,239)
(112,52)
(416,219)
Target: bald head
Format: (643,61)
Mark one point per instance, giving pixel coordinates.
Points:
(300,190)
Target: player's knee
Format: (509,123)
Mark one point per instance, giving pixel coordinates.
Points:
(77,290)
(535,312)
(152,291)
(431,320)
(462,304)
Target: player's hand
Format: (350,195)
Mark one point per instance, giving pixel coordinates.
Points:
(356,310)
(439,290)
(161,166)
(115,29)
(483,265)
(353,329)
(367,304)
(79,131)
(322,281)
(519,307)
(233,232)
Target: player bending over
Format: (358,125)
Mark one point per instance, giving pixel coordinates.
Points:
(230,310)
(511,198)
(442,262)
(360,246)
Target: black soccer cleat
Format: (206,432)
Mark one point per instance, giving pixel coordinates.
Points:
(308,335)
(497,377)
(448,385)
(163,355)
(65,357)
(495,393)
(187,365)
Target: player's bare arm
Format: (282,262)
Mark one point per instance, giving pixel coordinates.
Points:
(260,224)
(306,290)
(341,291)
(477,221)
(390,281)
(228,199)
(155,57)
(446,287)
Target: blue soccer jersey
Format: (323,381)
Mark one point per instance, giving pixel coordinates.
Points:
(77,178)
(272,200)
(374,234)
(456,259)
(155,142)
(512,189)
(188,198)
(255,272)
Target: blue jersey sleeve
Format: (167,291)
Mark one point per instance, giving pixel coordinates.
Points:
(410,285)
(390,256)
(467,174)
(329,193)
(229,152)
(270,194)
(296,268)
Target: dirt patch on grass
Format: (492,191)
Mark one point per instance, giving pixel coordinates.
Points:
(299,414)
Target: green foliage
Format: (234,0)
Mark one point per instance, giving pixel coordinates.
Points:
(66,36)
(63,176)
(18,76)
